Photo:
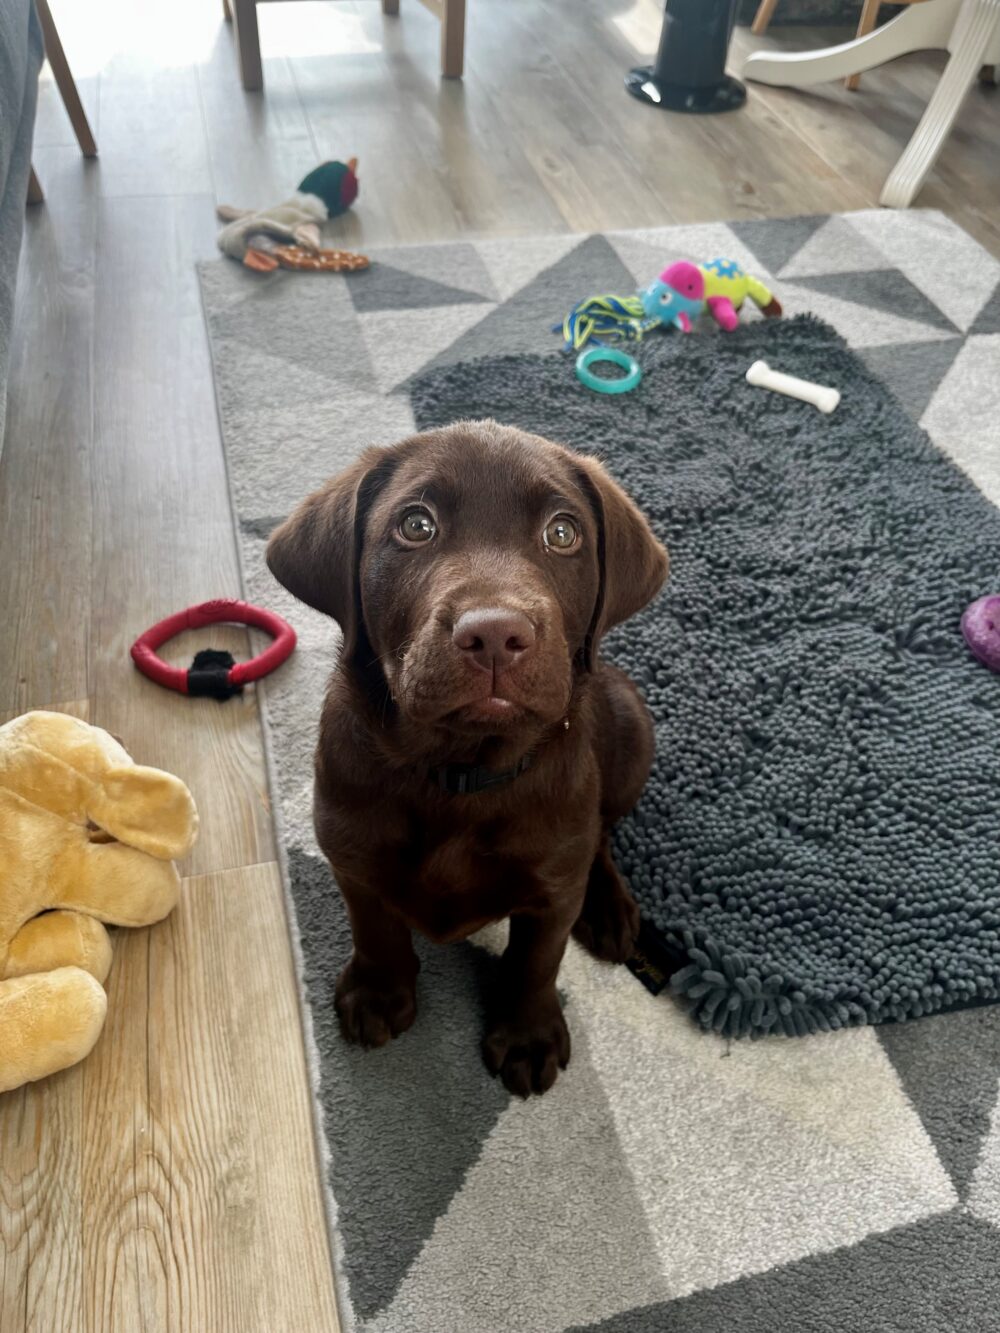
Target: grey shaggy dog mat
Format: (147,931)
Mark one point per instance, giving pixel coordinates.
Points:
(818,842)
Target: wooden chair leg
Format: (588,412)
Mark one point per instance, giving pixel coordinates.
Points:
(248,43)
(452,38)
(35,193)
(64,81)
(762,19)
(390,7)
(866,24)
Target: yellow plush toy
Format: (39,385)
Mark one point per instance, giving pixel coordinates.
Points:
(86,836)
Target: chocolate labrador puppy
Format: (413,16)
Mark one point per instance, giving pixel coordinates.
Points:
(474,751)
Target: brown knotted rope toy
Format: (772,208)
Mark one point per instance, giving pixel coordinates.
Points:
(319,261)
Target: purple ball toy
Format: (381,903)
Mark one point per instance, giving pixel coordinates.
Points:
(981,628)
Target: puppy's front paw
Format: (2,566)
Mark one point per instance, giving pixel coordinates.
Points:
(528,1054)
(371,1014)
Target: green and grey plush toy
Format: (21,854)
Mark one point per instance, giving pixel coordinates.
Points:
(256,235)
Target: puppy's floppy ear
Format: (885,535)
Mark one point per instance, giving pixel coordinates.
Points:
(316,552)
(633,564)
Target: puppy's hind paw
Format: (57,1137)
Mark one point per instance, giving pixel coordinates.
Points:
(608,926)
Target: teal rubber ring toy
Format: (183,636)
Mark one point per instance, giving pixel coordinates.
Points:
(621,385)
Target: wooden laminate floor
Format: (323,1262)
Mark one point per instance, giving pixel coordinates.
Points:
(170,1182)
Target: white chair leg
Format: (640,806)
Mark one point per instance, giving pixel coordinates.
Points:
(920,27)
(975,35)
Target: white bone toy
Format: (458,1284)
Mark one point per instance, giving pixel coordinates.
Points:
(820,395)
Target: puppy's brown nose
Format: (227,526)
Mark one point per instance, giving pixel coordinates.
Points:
(493,639)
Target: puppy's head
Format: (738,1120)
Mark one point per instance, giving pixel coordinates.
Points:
(472,570)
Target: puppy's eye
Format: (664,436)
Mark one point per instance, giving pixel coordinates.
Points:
(561,533)
(418,526)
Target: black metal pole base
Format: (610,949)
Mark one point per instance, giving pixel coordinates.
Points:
(689,72)
(726,95)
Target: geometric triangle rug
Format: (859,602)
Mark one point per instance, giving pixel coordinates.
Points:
(673,1181)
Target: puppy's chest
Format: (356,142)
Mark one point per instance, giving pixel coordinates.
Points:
(458,882)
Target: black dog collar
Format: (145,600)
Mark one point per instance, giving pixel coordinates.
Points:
(466,779)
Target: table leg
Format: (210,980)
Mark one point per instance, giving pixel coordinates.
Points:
(976,35)
(36,194)
(63,76)
(247,43)
(452,38)
(763,17)
(866,24)
(920,27)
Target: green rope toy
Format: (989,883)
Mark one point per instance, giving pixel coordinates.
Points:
(599,317)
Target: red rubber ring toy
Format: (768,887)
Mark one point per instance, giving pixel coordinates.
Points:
(213,673)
